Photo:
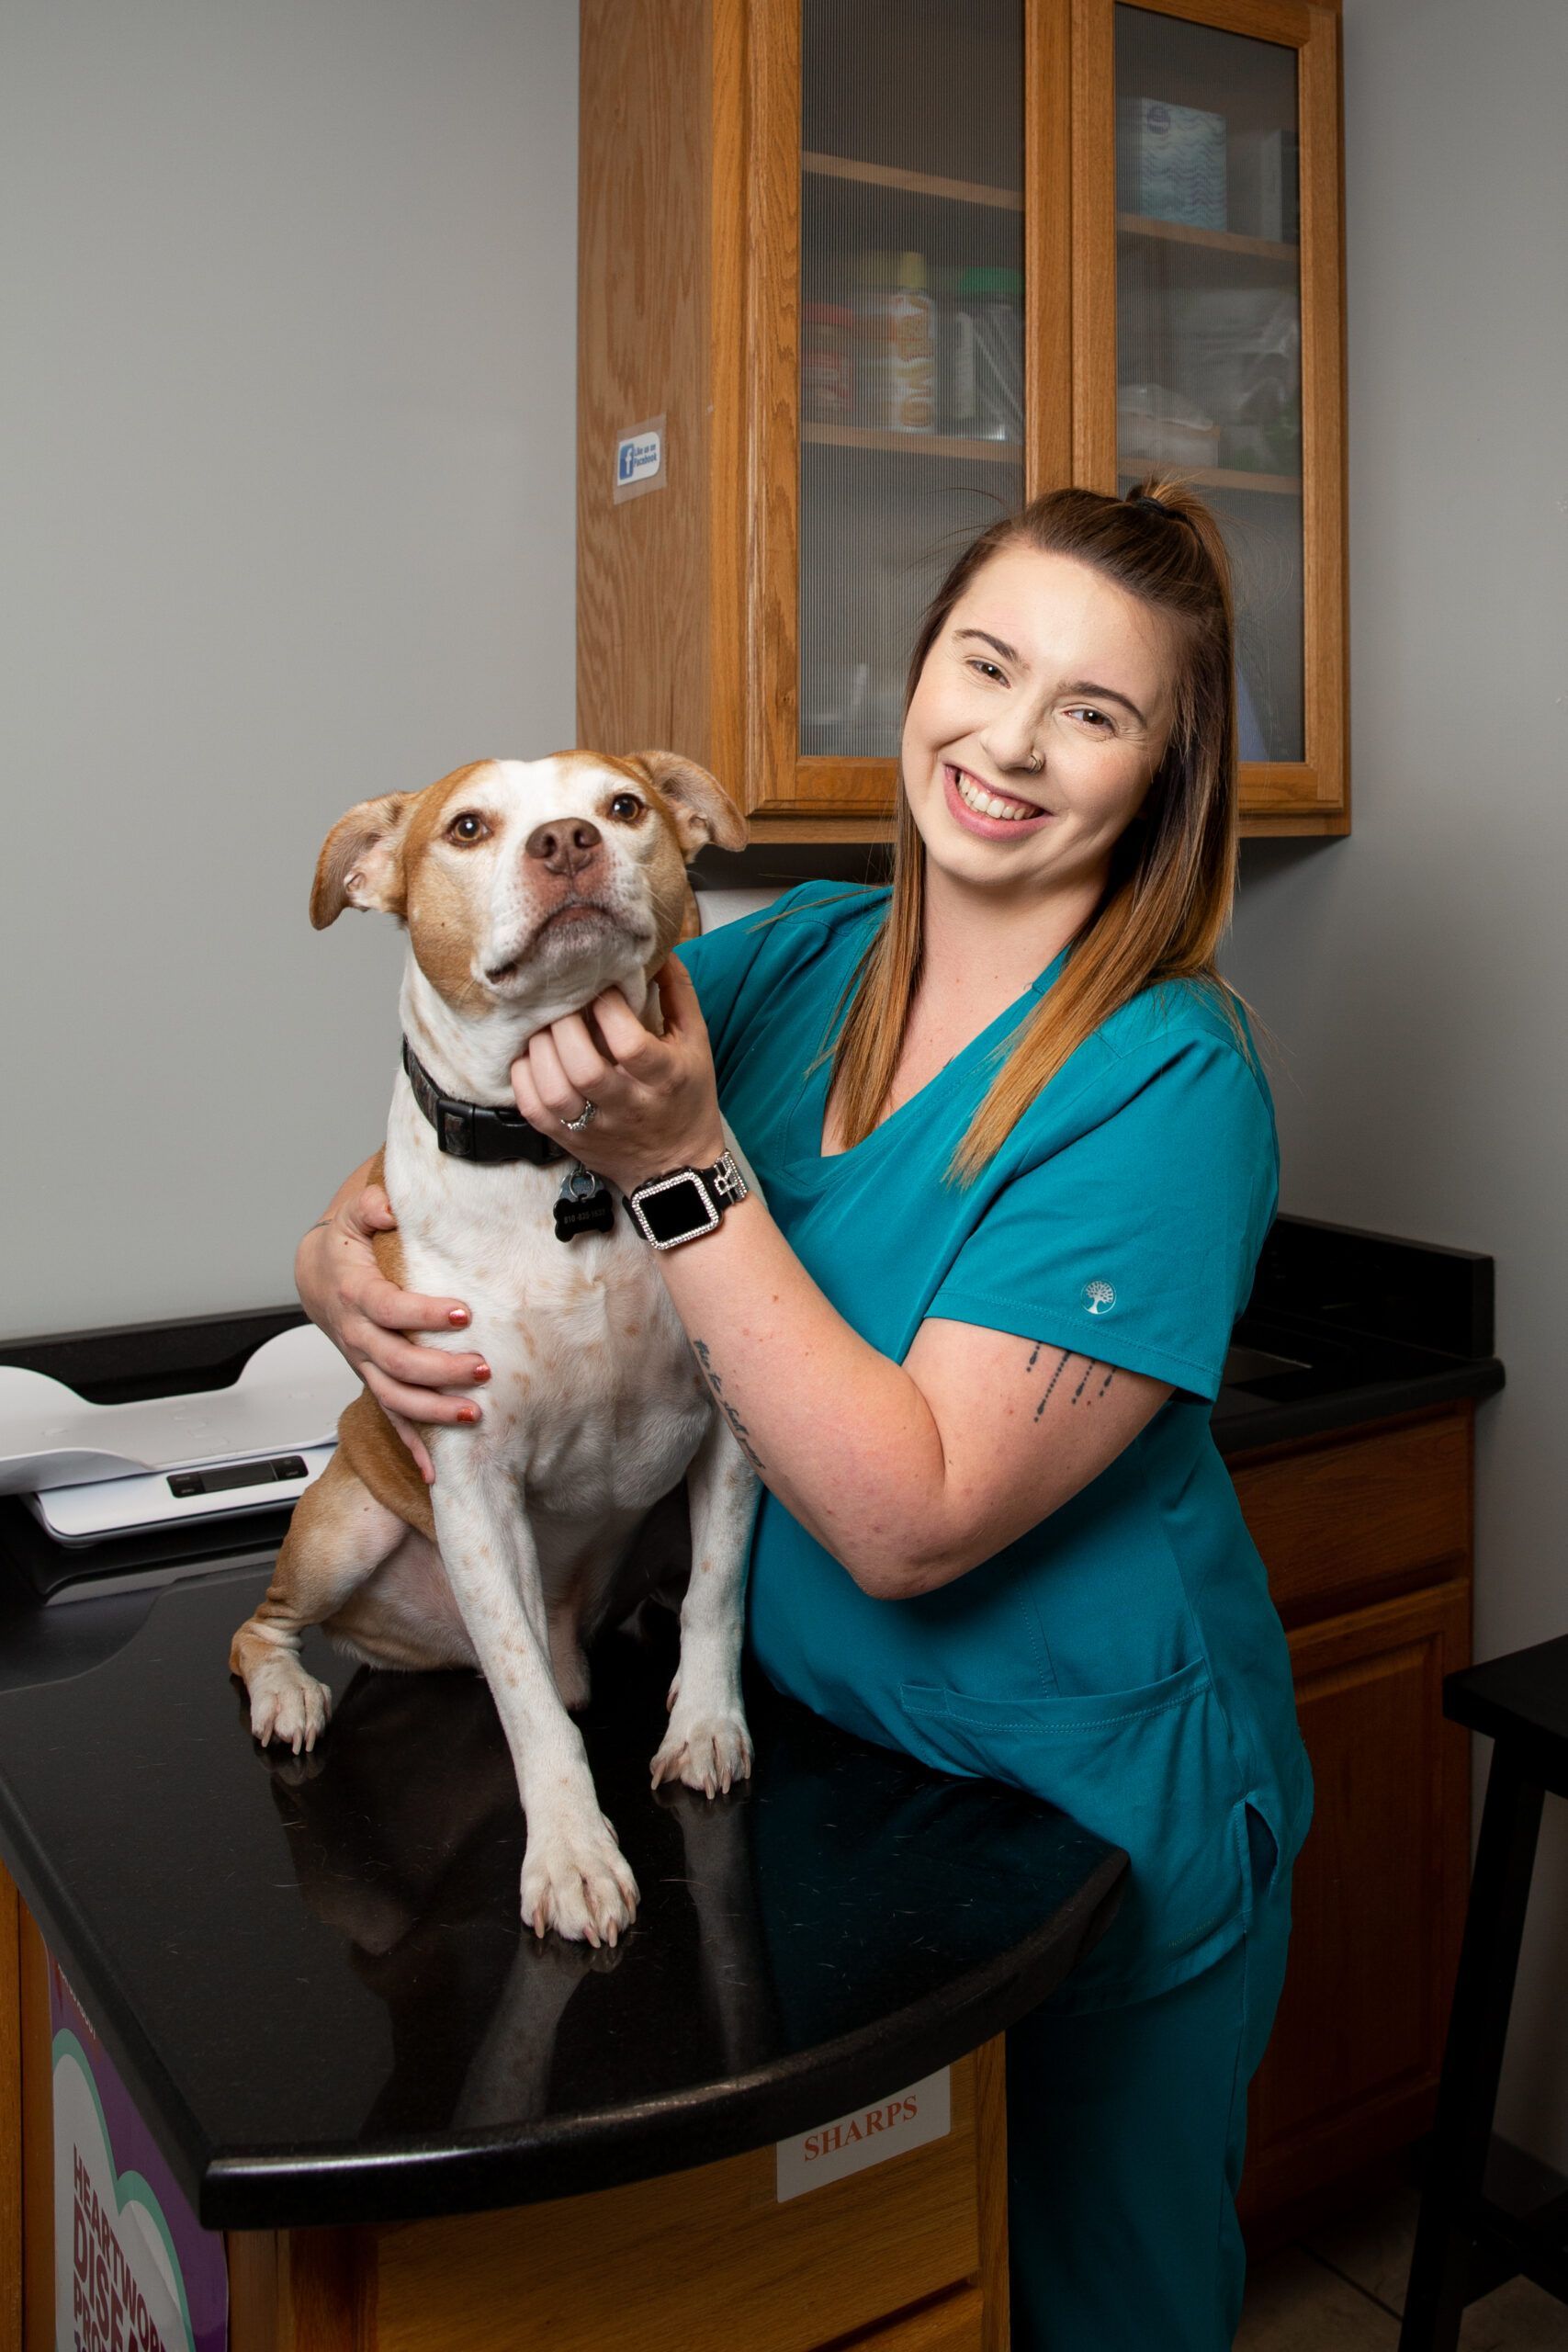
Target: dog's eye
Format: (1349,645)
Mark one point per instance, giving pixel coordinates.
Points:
(468,828)
(627,806)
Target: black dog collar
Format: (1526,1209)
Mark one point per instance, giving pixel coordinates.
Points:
(474,1130)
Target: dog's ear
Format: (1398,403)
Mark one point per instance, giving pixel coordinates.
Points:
(361,864)
(699,804)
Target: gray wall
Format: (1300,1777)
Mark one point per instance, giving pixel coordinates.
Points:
(1417,973)
(290,322)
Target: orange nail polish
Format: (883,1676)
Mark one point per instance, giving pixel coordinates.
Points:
(482,1371)
(457,1316)
(467,1412)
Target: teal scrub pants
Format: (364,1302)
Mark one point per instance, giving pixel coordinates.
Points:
(1125,2134)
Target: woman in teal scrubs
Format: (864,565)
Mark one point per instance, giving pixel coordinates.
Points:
(1017,1160)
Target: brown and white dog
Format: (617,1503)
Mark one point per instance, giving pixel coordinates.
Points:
(527,888)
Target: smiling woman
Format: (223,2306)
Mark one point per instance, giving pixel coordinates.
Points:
(1077,664)
(1016,1158)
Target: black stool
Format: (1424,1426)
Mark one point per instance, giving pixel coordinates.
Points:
(1466,2244)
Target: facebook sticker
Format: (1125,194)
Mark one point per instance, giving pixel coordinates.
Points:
(639,459)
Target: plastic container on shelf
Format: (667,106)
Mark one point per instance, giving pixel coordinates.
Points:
(1157,426)
(982,378)
(911,379)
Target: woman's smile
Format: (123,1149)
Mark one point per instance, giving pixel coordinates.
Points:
(995,816)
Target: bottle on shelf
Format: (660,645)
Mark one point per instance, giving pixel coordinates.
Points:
(911,384)
(984,375)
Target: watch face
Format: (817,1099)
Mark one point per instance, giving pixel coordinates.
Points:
(676,1210)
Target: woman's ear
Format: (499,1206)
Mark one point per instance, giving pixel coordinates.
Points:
(699,806)
(361,864)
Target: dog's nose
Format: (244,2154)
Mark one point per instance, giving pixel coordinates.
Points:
(564,844)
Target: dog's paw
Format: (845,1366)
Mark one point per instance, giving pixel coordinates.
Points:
(576,1880)
(288,1705)
(707,1752)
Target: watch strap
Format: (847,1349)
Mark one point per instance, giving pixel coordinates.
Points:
(720,1185)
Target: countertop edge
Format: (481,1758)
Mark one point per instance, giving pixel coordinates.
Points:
(1382,1400)
(480,2173)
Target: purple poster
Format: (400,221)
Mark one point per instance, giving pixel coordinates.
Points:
(133,2269)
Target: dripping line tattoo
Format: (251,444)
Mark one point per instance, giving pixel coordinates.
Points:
(1062,1361)
(742,1435)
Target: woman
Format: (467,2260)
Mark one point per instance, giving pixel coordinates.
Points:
(971,1336)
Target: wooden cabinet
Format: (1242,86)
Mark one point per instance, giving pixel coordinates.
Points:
(877,276)
(1366,1537)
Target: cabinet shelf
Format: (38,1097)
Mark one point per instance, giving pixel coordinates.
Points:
(917,445)
(1219,241)
(1215,476)
(845,168)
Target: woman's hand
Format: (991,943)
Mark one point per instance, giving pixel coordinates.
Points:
(655,1097)
(365,1316)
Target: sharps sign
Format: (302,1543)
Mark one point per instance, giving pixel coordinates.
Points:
(906,2118)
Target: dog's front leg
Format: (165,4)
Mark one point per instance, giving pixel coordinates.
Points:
(707,1743)
(574,1875)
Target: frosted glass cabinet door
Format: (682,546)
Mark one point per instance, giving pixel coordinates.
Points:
(911,335)
(1207,136)
(1209,322)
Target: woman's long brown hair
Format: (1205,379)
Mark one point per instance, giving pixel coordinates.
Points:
(1168,898)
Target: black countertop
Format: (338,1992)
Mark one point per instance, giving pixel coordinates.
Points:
(313,1975)
(1363,1326)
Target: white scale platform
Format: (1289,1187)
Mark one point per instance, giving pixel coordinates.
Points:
(90,1471)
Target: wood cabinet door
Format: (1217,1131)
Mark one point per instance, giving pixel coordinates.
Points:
(1208,341)
(1378,1896)
(909,356)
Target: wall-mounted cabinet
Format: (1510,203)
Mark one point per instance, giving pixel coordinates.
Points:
(884,273)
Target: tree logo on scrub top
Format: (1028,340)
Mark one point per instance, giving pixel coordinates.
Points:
(1099,1299)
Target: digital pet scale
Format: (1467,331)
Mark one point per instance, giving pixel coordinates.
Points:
(145,1488)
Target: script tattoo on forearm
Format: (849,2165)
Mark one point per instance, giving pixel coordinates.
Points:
(742,1436)
(1062,1362)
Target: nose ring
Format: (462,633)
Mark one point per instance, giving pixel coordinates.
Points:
(1036,762)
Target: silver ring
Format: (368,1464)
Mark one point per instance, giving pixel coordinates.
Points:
(582,1118)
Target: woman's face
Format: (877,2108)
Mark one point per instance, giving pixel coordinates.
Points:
(1042,659)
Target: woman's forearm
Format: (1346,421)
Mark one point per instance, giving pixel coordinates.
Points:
(839,1432)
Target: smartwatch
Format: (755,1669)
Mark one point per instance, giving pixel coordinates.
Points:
(687,1202)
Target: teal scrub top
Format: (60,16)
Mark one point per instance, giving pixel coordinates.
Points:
(1124,1660)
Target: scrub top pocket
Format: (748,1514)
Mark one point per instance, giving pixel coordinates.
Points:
(1150,1770)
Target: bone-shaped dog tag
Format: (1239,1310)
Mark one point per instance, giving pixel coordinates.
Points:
(583,1204)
